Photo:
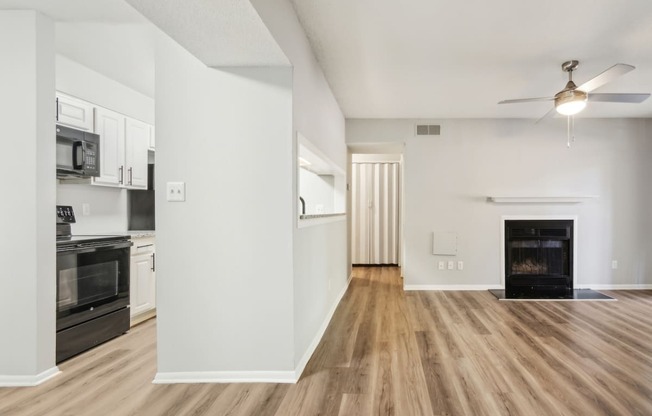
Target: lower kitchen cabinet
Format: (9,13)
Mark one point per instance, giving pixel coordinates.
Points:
(143,277)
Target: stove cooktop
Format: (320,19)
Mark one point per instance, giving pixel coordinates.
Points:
(89,238)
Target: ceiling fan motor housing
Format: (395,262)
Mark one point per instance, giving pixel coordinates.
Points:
(570,101)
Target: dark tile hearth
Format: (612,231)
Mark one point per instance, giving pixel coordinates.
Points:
(577,294)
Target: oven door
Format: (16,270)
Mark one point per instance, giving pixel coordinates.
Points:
(91,282)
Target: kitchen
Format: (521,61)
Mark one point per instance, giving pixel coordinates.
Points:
(106,256)
(228,133)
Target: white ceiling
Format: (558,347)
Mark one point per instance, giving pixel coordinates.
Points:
(114,39)
(107,36)
(383,58)
(451,58)
(218,32)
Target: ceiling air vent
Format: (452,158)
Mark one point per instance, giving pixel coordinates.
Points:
(428,130)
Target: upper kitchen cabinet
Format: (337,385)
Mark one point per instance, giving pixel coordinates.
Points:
(74,112)
(137,137)
(123,150)
(152,138)
(111,128)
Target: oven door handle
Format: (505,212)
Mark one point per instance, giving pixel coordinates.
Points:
(81,248)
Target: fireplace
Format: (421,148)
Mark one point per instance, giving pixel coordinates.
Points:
(538,258)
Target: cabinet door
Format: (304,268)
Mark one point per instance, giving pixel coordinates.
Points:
(152,138)
(136,145)
(74,112)
(111,128)
(142,283)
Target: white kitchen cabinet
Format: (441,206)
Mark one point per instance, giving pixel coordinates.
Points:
(124,143)
(111,128)
(74,112)
(143,276)
(136,146)
(152,138)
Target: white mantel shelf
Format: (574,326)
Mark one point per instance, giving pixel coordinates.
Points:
(539,199)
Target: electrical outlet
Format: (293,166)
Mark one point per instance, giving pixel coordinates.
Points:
(460,265)
(441,265)
(451,265)
(86,208)
(614,264)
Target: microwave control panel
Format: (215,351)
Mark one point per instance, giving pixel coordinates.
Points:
(90,157)
(65,214)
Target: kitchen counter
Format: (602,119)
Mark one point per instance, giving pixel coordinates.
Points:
(309,220)
(311,216)
(135,233)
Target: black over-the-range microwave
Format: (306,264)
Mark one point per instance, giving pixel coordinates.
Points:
(78,153)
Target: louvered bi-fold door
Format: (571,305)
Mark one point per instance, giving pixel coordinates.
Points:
(375,206)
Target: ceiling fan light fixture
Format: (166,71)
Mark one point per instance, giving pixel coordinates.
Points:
(570,102)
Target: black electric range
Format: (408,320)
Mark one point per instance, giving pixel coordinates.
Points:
(92,287)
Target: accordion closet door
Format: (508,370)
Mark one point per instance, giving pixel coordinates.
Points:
(375,219)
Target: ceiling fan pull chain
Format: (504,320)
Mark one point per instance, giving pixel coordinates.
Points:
(573,129)
(568,133)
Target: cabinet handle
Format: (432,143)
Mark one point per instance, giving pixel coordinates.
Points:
(153,262)
(122,171)
(131,176)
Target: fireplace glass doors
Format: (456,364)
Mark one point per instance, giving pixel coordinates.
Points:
(538,257)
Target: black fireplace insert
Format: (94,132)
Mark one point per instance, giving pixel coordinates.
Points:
(538,258)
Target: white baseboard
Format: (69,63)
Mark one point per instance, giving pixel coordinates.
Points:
(253,376)
(28,381)
(451,287)
(224,377)
(616,287)
(320,333)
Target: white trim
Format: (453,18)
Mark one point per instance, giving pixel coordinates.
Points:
(539,199)
(450,287)
(224,377)
(253,376)
(29,381)
(573,218)
(619,287)
(320,333)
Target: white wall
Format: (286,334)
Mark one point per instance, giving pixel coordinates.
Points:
(447,180)
(108,207)
(321,259)
(224,275)
(82,82)
(317,190)
(27,245)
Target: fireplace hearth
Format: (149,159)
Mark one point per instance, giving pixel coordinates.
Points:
(538,258)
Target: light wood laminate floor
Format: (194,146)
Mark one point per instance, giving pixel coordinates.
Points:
(388,352)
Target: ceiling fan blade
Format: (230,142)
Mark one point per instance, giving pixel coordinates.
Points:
(526,100)
(605,77)
(619,98)
(549,114)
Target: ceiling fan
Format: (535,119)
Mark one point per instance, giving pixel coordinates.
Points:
(572,99)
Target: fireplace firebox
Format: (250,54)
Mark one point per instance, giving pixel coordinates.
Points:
(538,258)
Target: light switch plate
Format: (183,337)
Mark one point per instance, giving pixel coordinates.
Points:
(176,191)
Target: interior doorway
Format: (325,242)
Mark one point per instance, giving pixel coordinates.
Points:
(376,209)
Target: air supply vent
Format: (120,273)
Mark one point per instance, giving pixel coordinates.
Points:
(428,130)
